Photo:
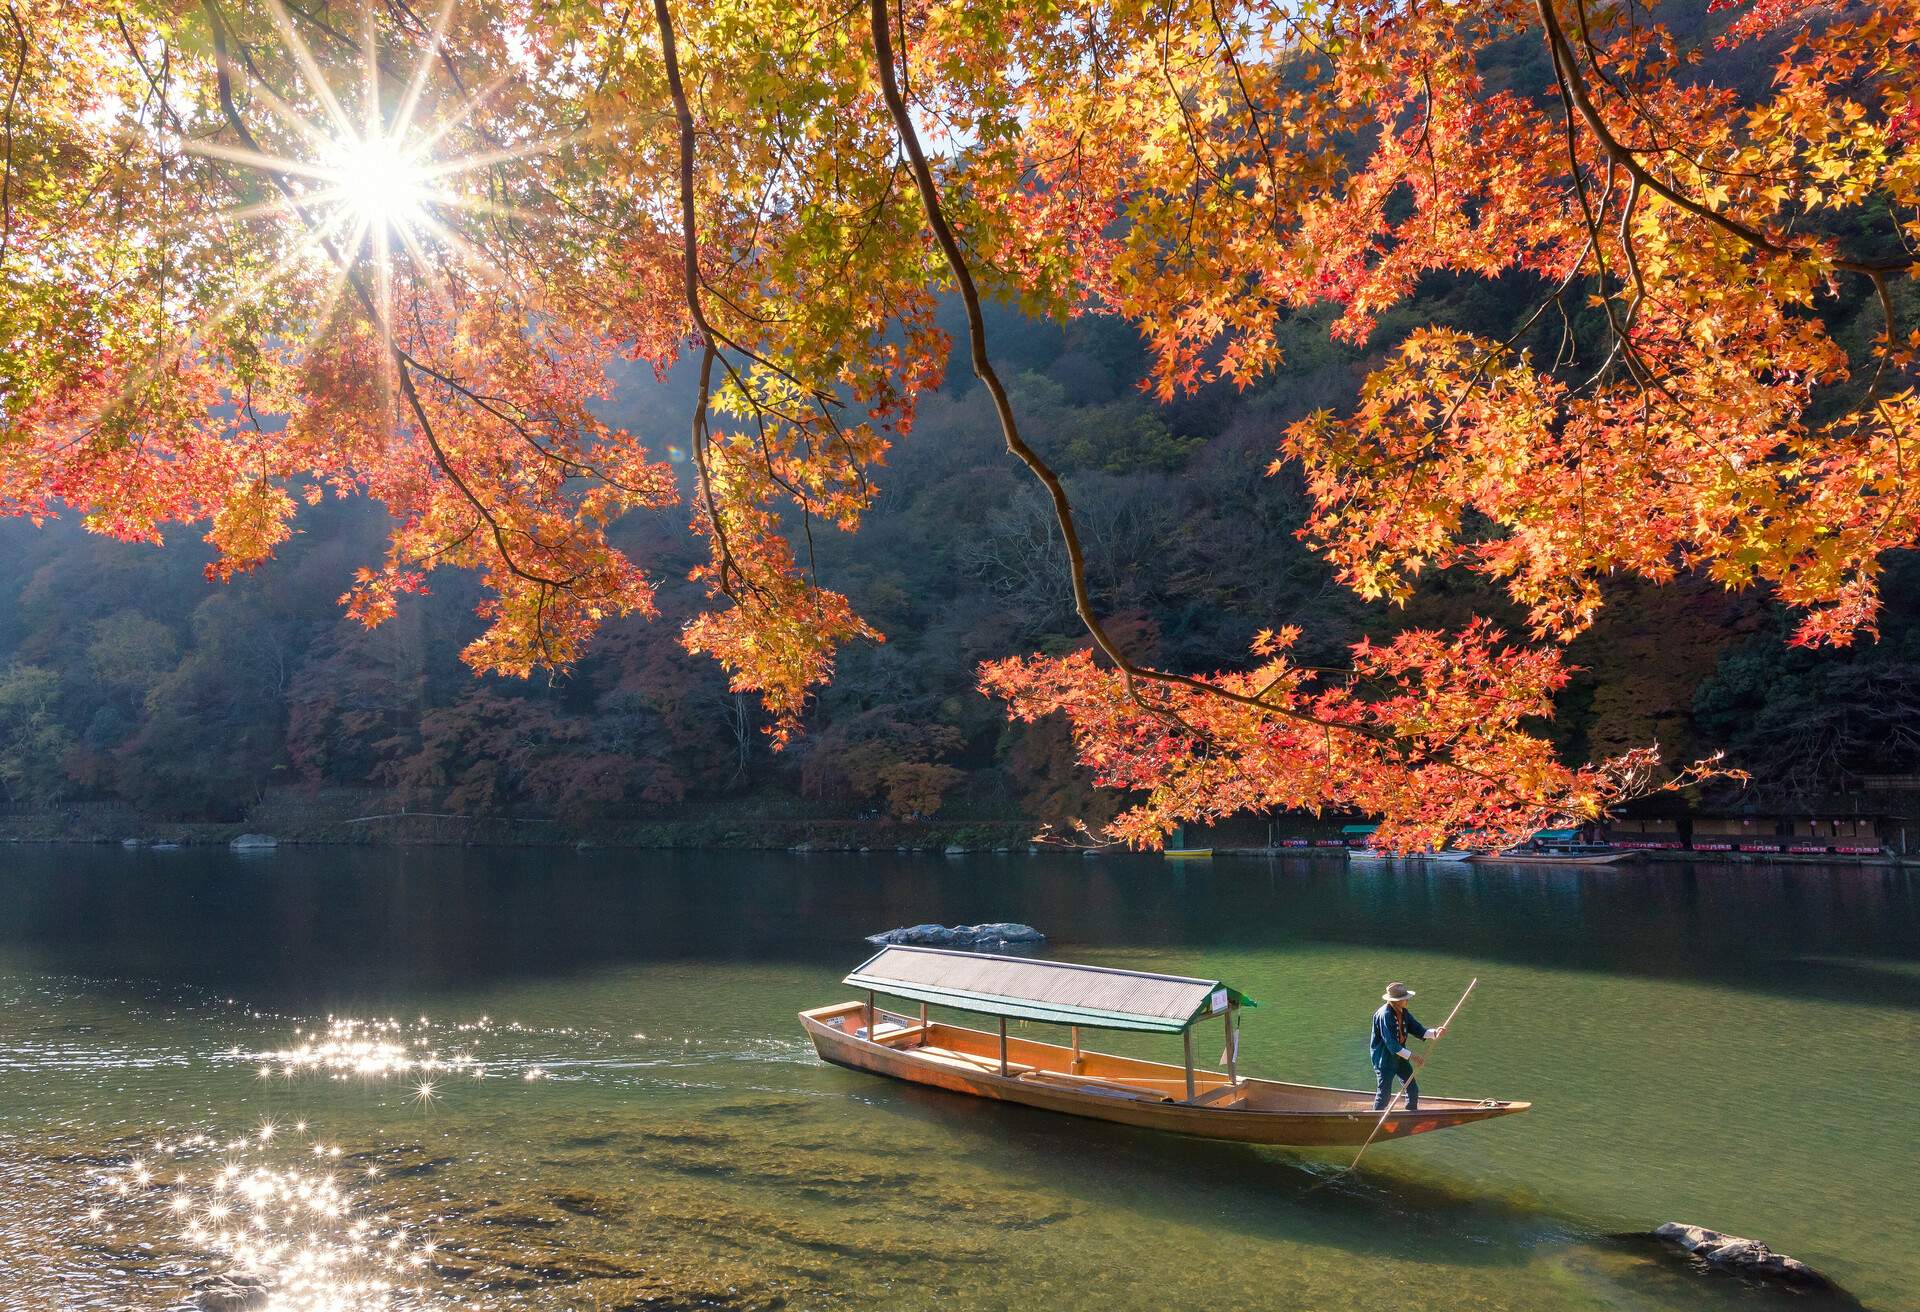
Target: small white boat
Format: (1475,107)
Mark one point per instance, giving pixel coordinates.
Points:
(1560,857)
(1449,856)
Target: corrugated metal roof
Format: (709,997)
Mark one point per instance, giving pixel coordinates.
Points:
(1057,991)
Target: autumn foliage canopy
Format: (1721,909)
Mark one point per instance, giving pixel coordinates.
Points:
(261,252)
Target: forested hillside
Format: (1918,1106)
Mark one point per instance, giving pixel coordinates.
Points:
(128,676)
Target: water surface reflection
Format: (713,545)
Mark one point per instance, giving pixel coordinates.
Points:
(562,1080)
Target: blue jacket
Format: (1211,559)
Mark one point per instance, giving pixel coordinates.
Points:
(1386,1043)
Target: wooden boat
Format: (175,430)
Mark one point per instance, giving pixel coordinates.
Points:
(1605,856)
(1183,1099)
(1188,853)
(1448,856)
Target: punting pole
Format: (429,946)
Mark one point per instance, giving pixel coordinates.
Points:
(1445,1024)
(1232,1056)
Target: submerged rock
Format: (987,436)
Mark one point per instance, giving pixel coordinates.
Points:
(254,842)
(997,934)
(1746,1256)
(233,1292)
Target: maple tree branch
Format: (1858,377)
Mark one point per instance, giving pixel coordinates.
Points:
(691,283)
(497,407)
(1575,88)
(1253,111)
(689,230)
(702,440)
(691,278)
(1003,406)
(223,85)
(983,369)
(6,165)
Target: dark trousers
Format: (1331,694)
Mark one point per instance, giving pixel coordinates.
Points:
(1384,1090)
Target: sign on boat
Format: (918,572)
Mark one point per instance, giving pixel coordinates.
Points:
(1182,1099)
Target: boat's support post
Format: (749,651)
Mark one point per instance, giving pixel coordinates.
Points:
(923,1022)
(1078,1060)
(1233,1074)
(873,1019)
(1186,1037)
(1003,1045)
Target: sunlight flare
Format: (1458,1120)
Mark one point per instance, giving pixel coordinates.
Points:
(381,184)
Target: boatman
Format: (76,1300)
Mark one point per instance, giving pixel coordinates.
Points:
(1391,1026)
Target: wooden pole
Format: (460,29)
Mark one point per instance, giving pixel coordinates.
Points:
(1075,1068)
(923,1022)
(1233,1073)
(1003,1045)
(1445,1024)
(1186,1038)
(873,1019)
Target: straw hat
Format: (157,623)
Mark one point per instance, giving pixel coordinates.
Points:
(1396,992)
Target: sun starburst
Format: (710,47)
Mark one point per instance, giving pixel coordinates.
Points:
(366,190)
(385,186)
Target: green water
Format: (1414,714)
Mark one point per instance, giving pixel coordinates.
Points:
(1729,1045)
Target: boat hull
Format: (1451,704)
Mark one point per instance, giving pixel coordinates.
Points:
(1125,1091)
(1549,859)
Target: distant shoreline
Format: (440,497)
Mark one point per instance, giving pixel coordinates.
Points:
(999,838)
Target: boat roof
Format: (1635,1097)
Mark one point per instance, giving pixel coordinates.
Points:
(1059,992)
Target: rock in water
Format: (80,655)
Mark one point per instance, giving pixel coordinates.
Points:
(1745,1256)
(254,842)
(996,935)
(230,1293)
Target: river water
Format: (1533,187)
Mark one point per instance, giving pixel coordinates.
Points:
(212,1069)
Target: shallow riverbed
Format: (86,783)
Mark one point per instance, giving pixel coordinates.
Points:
(620,1111)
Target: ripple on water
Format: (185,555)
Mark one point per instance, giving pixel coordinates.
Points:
(628,1163)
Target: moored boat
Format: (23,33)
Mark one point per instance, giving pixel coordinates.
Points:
(1183,1099)
(1566,856)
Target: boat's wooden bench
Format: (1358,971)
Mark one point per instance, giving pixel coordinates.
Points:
(968,1061)
(1219,1093)
(1094,1084)
(1087,1083)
